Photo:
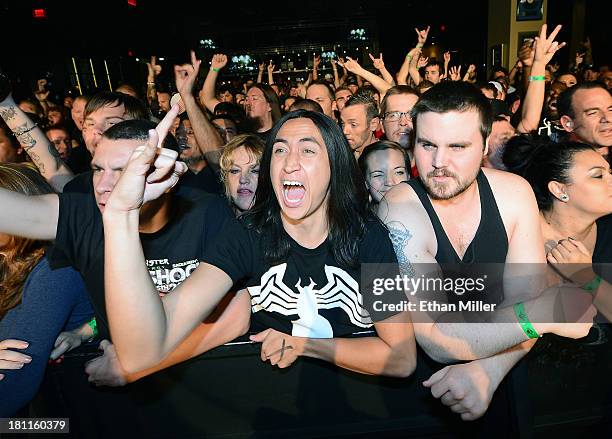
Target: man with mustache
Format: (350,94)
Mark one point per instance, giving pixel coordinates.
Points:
(459,215)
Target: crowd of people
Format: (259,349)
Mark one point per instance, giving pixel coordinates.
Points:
(161,225)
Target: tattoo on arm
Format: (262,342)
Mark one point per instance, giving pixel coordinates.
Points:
(37,161)
(25,138)
(8,113)
(400,236)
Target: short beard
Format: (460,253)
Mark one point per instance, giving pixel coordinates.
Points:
(442,194)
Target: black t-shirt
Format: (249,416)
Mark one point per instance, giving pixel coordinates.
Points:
(79,160)
(310,294)
(80,184)
(206,180)
(171,253)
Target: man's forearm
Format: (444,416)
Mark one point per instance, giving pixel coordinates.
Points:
(367,355)
(206,135)
(33,217)
(230,320)
(387,77)
(208,91)
(35,143)
(534,100)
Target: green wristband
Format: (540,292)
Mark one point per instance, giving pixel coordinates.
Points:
(419,45)
(216,69)
(523,320)
(537,78)
(592,285)
(93,324)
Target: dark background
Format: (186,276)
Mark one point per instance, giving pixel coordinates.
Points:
(115,32)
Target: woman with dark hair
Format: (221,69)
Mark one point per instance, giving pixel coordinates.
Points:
(383,165)
(239,165)
(573,187)
(298,252)
(36,303)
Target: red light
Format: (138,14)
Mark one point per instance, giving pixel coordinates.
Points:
(39,13)
(131,2)
(130,53)
(442,28)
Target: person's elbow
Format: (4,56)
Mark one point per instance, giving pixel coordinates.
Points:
(135,362)
(402,363)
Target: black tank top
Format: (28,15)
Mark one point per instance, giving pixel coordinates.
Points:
(490,243)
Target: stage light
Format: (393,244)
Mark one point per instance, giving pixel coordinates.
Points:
(132,3)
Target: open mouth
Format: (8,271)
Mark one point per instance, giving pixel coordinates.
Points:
(244,192)
(293,193)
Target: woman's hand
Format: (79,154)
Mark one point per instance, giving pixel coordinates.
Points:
(572,260)
(11,359)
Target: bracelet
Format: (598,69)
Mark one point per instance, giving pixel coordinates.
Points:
(19,133)
(537,78)
(93,324)
(408,57)
(216,69)
(419,45)
(523,320)
(150,83)
(592,285)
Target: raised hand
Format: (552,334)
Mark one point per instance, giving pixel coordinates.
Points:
(447,57)
(153,69)
(271,67)
(526,53)
(316,61)
(579,58)
(455,73)
(218,61)
(351,65)
(545,48)
(422,62)
(262,66)
(186,74)
(137,183)
(422,35)
(378,62)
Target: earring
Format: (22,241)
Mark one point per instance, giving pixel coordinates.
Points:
(564,198)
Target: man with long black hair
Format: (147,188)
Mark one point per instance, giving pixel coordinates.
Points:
(298,253)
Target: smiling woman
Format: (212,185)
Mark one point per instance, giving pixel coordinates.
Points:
(298,252)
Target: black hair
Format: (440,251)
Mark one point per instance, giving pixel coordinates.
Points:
(455,96)
(540,161)
(231,111)
(271,98)
(347,210)
(381,145)
(134,108)
(306,104)
(564,101)
(137,129)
